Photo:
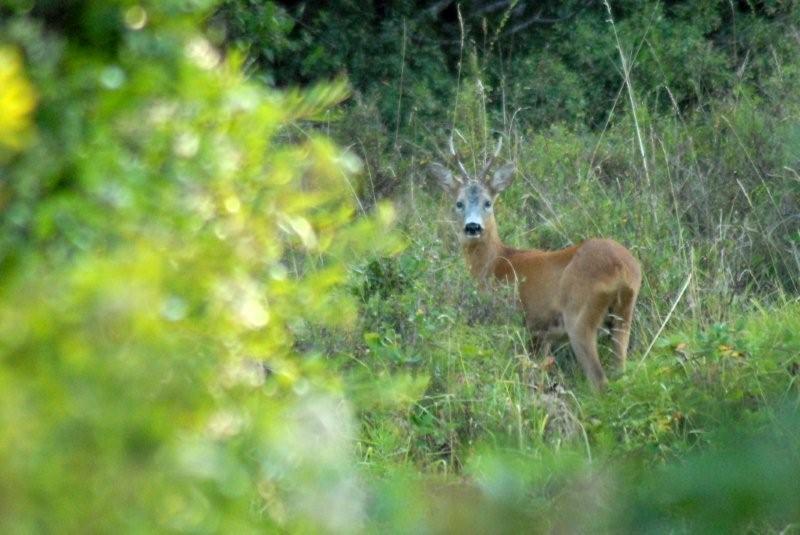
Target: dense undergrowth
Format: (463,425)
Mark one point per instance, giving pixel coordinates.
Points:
(707,198)
(211,318)
(714,224)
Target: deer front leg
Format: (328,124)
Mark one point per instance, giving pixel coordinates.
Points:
(541,344)
(537,368)
(540,341)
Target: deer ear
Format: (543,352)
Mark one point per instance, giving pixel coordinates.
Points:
(502,178)
(444,176)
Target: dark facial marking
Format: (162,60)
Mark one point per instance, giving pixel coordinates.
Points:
(474,194)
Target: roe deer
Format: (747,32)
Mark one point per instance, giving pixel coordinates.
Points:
(568,291)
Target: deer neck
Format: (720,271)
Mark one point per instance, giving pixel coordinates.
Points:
(482,254)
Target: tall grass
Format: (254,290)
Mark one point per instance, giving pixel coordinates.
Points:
(706,199)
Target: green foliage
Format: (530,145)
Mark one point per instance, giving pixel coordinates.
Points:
(745,484)
(382,46)
(206,323)
(705,379)
(163,241)
(554,61)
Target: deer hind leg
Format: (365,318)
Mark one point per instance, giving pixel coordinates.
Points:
(582,326)
(622,312)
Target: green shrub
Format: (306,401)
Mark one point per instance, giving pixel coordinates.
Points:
(163,242)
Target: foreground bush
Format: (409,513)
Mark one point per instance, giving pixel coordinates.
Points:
(162,239)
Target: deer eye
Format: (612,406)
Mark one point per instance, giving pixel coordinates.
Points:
(487,204)
(459,205)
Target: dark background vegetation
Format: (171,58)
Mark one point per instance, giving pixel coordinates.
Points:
(231,298)
(556,59)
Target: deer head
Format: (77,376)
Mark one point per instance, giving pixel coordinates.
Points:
(474,194)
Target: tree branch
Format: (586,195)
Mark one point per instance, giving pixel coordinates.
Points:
(438,7)
(492,7)
(538,19)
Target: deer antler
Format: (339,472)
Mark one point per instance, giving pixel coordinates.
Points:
(456,159)
(488,165)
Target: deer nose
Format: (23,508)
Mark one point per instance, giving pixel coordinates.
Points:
(472,229)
